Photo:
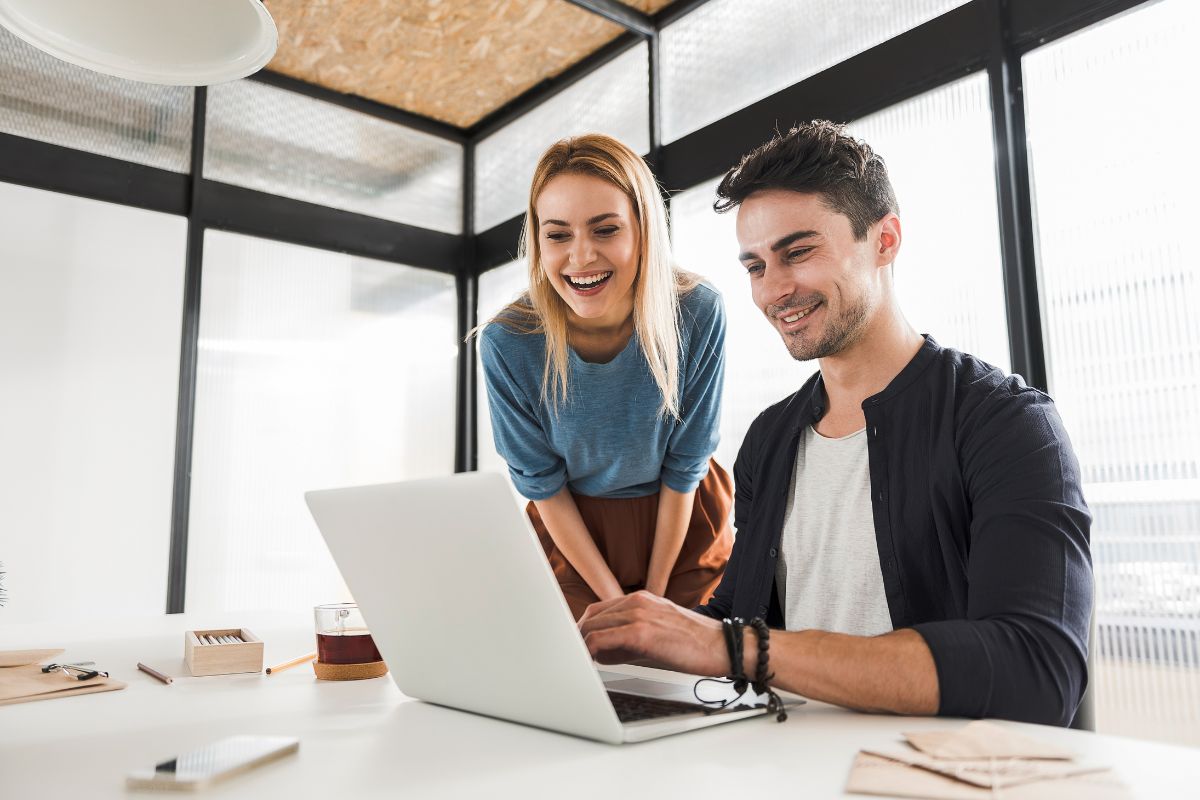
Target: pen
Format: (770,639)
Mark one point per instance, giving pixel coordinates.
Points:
(292,663)
(153,673)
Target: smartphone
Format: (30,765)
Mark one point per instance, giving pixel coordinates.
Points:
(196,769)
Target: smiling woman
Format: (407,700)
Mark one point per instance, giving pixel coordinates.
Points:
(604,384)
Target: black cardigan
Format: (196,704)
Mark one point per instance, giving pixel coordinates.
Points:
(982,529)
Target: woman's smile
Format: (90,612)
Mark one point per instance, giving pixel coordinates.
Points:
(589,283)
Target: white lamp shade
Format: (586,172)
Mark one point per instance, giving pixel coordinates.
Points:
(177,42)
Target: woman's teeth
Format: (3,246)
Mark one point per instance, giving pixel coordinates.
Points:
(590,280)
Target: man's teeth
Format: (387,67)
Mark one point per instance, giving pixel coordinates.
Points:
(802,314)
(590,279)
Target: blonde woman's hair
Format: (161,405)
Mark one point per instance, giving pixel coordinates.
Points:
(656,288)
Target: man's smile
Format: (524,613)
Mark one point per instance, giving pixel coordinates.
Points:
(795,319)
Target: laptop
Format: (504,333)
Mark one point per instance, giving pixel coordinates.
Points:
(465,610)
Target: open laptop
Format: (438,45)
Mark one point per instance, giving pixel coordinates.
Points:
(465,610)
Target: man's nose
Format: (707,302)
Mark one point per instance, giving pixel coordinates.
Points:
(778,283)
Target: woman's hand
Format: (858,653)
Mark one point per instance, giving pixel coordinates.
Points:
(641,626)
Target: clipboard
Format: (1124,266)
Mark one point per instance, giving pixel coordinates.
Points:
(26,683)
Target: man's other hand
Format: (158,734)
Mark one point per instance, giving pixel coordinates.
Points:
(643,626)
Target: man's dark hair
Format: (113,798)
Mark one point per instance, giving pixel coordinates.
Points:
(816,158)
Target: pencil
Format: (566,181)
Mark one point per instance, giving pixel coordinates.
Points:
(153,673)
(292,663)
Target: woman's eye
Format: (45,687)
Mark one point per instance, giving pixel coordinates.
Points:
(607,230)
(557,237)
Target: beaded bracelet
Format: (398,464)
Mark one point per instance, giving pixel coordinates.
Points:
(734,631)
(761,676)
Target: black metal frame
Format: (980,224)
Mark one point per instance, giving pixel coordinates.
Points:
(989,35)
(466,446)
(189,341)
(627,17)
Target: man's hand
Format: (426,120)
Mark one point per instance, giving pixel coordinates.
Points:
(893,672)
(643,626)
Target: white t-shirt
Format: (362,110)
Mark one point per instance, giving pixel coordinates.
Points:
(828,573)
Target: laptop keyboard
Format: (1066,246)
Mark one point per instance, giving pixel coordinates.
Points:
(634,708)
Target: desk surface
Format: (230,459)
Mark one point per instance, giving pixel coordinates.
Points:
(364,739)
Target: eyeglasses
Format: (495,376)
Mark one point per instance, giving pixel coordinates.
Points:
(79,671)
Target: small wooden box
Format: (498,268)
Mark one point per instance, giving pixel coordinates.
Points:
(222,659)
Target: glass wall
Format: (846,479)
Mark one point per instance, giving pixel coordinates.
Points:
(284,143)
(89,375)
(52,101)
(939,153)
(728,54)
(315,370)
(1110,138)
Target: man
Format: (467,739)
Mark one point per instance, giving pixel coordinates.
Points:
(911,517)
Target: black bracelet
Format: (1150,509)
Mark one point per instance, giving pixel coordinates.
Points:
(761,676)
(733,643)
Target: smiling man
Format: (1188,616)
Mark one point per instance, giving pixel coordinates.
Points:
(912,517)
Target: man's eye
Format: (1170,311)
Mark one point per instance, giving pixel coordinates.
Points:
(754,269)
(799,252)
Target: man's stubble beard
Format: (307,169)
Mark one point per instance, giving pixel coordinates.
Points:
(839,333)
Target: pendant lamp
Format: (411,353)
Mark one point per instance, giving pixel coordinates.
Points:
(176,42)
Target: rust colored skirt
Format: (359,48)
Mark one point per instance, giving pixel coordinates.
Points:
(623,529)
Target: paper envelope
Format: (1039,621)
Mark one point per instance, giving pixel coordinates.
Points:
(980,759)
(872,774)
(983,739)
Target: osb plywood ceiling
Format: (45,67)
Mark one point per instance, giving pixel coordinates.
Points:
(452,60)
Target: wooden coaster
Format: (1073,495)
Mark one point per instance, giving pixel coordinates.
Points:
(349,672)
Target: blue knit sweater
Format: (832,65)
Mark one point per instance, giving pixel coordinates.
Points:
(608,438)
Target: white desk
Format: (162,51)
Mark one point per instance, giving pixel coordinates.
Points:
(364,739)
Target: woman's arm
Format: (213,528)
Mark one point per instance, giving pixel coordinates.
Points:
(674,514)
(571,536)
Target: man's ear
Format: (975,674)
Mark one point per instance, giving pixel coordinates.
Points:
(887,240)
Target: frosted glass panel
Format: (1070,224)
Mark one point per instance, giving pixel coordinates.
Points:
(91,299)
(758,369)
(728,54)
(940,156)
(316,370)
(614,100)
(1115,203)
(497,288)
(52,101)
(284,143)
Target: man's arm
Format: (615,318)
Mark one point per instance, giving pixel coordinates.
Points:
(1021,652)
(894,672)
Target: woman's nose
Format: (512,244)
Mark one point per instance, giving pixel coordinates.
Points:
(582,252)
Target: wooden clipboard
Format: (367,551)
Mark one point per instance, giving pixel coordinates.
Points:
(27,683)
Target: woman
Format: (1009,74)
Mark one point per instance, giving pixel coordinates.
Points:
(604,383)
